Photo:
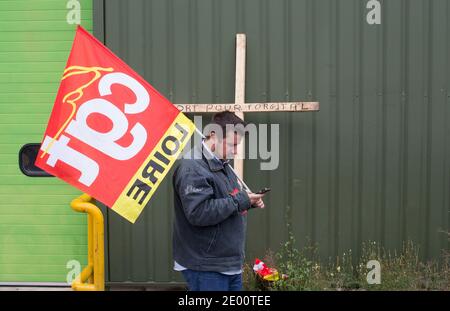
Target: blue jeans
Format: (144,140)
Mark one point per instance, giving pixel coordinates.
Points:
(212,281)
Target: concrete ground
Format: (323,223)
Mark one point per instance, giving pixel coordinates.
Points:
(34,289)
(111,288)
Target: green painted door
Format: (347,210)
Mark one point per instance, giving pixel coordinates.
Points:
(39,233)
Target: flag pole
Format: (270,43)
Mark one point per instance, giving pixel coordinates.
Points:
(211,155)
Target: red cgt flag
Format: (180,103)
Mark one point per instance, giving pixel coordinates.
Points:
(111,134)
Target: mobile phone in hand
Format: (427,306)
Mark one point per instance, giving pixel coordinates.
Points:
(263,190)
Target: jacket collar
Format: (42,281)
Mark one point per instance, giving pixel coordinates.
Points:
(213,162)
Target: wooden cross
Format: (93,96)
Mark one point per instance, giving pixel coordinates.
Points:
(239,107)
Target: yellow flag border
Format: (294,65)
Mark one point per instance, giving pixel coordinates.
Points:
(128,207)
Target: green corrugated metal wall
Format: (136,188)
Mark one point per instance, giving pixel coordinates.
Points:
(39,233)
(373,164)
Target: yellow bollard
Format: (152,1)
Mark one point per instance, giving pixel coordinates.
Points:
(92,278)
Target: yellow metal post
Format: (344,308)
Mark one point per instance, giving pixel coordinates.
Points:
(92,278)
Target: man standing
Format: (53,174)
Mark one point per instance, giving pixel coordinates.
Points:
(210,211)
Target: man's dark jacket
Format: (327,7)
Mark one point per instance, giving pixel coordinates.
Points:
(209,226)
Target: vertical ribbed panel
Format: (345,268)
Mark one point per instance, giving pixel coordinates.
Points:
(373,164)
(39,232)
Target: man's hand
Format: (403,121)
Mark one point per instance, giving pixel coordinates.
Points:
(256,199)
